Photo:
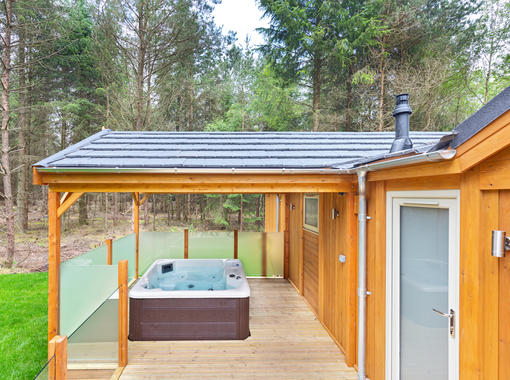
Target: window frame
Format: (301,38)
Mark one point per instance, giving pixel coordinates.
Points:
(310,227)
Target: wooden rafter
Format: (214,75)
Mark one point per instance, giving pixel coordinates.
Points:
(69,200)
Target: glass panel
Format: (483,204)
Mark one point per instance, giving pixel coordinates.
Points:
(96,256)
(275,253)
(250,252)
(423,286)
(83,288)
(312,211)
(160,245)
(211,245)
(124,249)
(44,373)
(96,339)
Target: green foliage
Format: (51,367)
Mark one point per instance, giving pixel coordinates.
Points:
(23,322)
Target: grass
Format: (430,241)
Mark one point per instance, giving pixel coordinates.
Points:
(23,324)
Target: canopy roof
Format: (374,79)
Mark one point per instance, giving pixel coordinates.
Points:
(228,150)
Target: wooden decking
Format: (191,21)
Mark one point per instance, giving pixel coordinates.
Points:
(286,342)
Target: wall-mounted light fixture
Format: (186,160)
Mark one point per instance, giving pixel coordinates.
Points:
(292,207)
(334,213)
(500,243)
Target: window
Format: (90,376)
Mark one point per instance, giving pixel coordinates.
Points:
(311,213)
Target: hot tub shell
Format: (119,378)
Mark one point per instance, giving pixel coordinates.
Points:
(156,314)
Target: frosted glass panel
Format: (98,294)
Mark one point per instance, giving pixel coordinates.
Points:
(423,286)
(250,252)
(211,245)
(97,339)
(96,256)
(274,243)
(83,288)
(124,249)
(160,245)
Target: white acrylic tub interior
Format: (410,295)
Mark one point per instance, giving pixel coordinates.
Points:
(236,284)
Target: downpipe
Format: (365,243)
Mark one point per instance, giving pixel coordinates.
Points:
(362,272)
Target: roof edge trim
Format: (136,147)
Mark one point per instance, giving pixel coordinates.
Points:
(71,149)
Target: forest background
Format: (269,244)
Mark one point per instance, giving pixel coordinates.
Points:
(71,68)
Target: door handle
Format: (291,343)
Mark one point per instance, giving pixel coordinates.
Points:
(451,319)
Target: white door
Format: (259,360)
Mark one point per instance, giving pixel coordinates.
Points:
(422,285)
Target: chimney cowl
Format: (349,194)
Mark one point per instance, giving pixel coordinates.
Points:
(401,113)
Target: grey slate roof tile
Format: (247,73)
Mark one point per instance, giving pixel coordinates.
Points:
(109,149)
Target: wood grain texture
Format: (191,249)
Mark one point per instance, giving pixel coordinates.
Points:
(53,265)
(311,269)
(123,312)
(109,251)
(286,342)
(489,281)
(351,279)
(296,240)
(136,230)
(504,292)
(270,222)
(470,315)
(186,243)
(379,289)
(494,173)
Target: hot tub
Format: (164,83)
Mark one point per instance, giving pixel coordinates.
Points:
(190,299)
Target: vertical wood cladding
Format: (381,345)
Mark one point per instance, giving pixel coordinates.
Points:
(311,269)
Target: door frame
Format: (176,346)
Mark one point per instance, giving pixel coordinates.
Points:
(450,199)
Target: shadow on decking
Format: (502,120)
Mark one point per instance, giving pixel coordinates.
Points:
(286,341)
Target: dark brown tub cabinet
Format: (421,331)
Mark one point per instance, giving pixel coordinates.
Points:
(189,318)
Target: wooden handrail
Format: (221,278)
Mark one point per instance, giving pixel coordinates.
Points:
(57,348)
(123,312)
(186,243)
(109,251)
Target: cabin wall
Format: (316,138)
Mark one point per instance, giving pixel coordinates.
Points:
(328,285)
(296,240)
(484,284)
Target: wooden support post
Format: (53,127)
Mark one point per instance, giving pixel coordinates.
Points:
(136,229)
(264,254)
(109,251)
(186,243)
(236,244)
(53,265)
(57,348)
(123,313)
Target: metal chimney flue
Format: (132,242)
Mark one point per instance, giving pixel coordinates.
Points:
(401,113)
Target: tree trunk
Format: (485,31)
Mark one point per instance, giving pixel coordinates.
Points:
(241,216)
(146,213)
(316,84)
(116,208)
(381,87)
(82,210)
(188,208)
(22,196)
(142,49)
(153,212)
(6,170)
(348,120)
(191,97)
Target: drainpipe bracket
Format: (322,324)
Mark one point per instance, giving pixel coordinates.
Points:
(363,292)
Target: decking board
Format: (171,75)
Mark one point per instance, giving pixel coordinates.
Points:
(286,342)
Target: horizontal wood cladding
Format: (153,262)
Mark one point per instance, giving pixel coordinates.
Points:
(311,269)
(296,240)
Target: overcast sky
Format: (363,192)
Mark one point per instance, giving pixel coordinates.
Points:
(242,17)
